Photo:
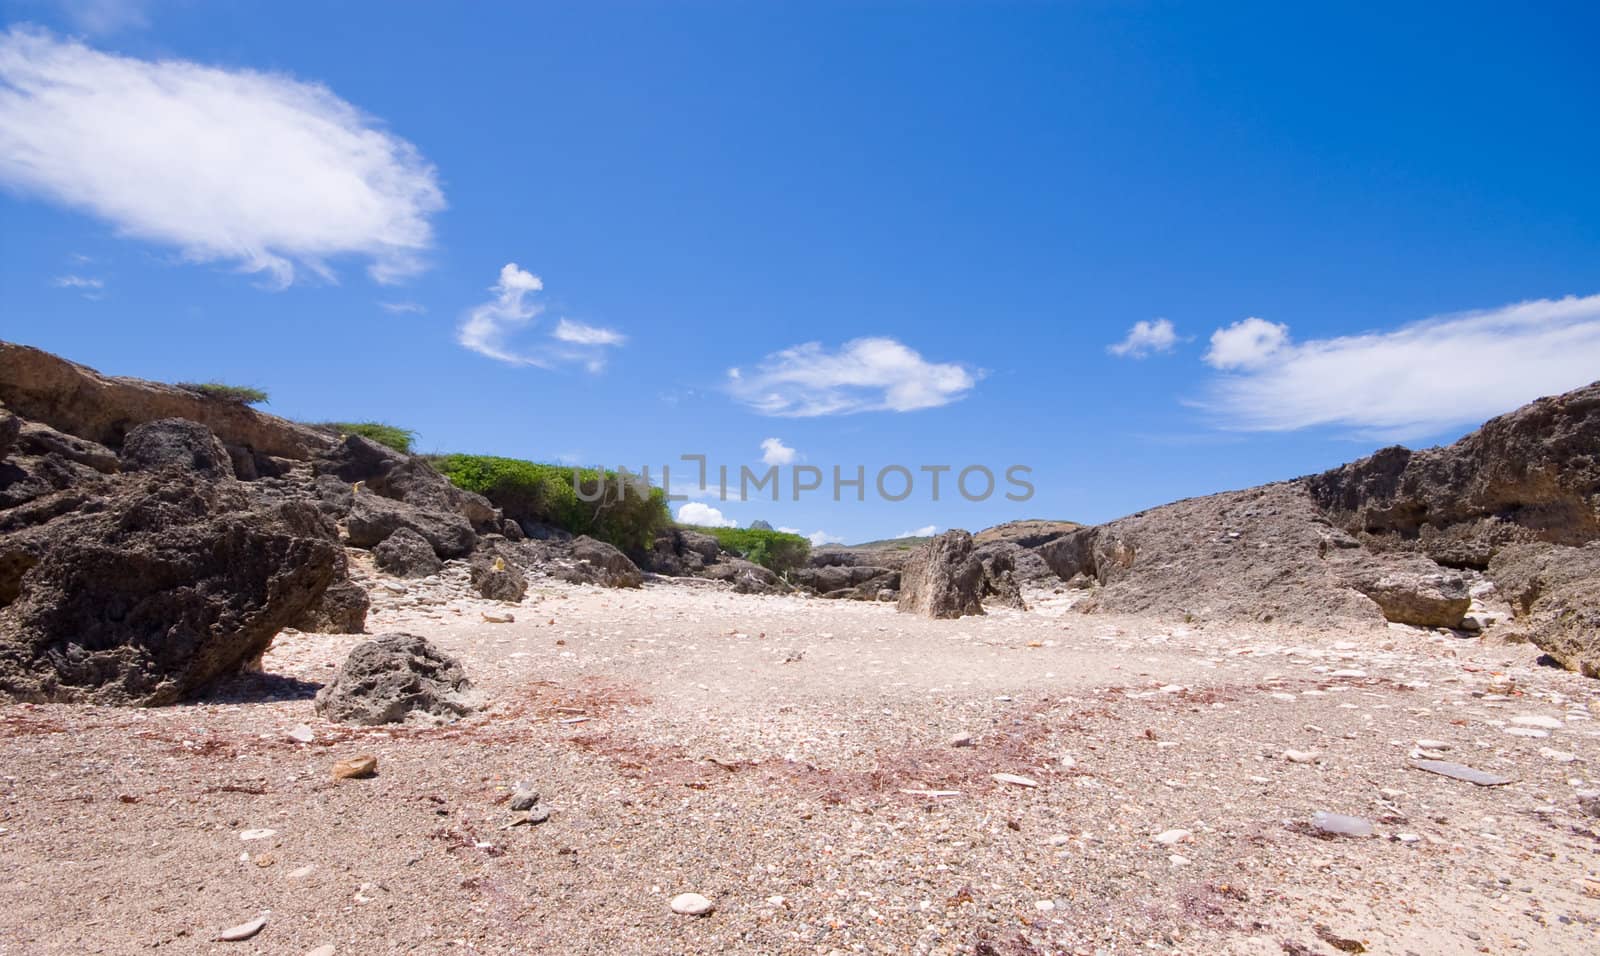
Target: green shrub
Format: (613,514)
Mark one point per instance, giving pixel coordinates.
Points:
(237,394)
(777,551)
(547,494)
(399,439)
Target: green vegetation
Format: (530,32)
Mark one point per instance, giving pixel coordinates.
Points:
(777,551)
(399,439)
(531,491)
(237,394)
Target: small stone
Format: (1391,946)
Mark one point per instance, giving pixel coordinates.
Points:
(234,934)
(963,740)
(491,618)
(356,768)
(1408,838)
(1456,771)
(302,733)
(1532,732)
(1348,672)
(1340,825)
(523,797)
(1015,780)
(1301,756)
(1060,839)
(394,587)
(300,873)
(1044,906)
(1559,756)
(1172,837)
(1427,744)
(1538,720)
(538,815)
(261,834)
(691,904)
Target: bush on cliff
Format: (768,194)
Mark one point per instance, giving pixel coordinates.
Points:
(622,514)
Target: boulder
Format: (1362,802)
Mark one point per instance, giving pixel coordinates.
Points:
(747,577)
(373,518)
(595,562)
(34,438)
(1425,597)
(498,579)
(943,578)
(407,478)
(25,477)
(80,401)
(680,551)
(1554,592)
(176,443)
(407,554)
(393,678)
(342,609)
(148,590)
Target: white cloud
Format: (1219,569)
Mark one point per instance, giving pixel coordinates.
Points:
(404,308)
(820,538)
(1145,338)
(775,452)
(705,516)
(227,165)
(579,334)
(487,329)
(77,282)
(865,375)
(1421,378)
(926,531)
(1246,343)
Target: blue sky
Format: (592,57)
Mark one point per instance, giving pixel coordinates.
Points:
(918,231)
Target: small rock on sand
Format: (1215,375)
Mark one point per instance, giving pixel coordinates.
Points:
(1015,780)
(234,934)
(691,904)
(1171,837)
(355,768)
(1340,825)
(1301,756)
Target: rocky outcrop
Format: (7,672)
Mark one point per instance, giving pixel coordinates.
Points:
(393,678)
(10,428)
(373,518)
(1417,593)
(1530,475)
(146,590)
(405,478)
(406,554)
(175,443)
(680,551)
(943,578)
(1554,592)
(77,400)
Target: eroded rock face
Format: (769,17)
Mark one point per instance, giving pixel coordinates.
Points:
(406,478)
(407,554)
(943,578)
(78,400)
(10,428)
(176,443)
(595,562)
(396,677)
(1554,592)
(146,590)
(1530,475)
(374,518)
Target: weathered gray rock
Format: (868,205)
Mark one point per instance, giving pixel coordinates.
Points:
(1406,594)
(38,439)
(943,578)
(373,518)
(407,554)
(396,677)
(342,609)
(10,428)
(176,443)
(407,478)
(147,590)
(595,562)
(497,579)
(1555,594)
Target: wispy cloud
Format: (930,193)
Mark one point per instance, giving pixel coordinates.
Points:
(77,282)
(404,308)
(926,531)
(258,170)
(863,375)
(1145,338)
(488,328)
(1414,381)
(106,16)
(775,452)
(705,516)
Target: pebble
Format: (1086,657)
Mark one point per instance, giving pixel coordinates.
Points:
(1408,838)
(1170,837)
(1348,672)
(691,904)
(1559,756)
(538,815)
(234,934)
(1456,771)
(1178,859)
(1532,732)
(1427,744)
(261,834)
(1301,756)
(1341,825)
(499,618)
(523,797)
(963,740)
(1016,780)
(302,733)
(355,768)
(1044,906)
